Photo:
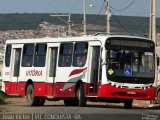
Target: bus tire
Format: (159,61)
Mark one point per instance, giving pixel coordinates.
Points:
(128,104)
(70,102)
(30,98)
(41,101)
(66,102)
(81,96)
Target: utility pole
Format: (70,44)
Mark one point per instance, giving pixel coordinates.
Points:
(84,17)
(107,16)
(69,24)
(152,29)
(69,20)
(152,32)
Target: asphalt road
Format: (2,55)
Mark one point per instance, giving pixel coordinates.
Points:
(15,108)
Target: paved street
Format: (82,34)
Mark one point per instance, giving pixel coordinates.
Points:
(56,110)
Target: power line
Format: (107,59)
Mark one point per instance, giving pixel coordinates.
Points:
(142,8)
(123,8)
(98,14)
(62,19)
(100,11)
(122,26)
(101,7)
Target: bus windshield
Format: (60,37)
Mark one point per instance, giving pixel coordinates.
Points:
(130,63)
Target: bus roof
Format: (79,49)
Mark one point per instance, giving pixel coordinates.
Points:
(101,38)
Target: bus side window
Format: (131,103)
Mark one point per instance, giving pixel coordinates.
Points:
(40,55)
(65,55)
(27,59)
(114,60)
(80,54)
(8,55)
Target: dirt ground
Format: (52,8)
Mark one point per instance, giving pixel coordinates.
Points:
(11,103)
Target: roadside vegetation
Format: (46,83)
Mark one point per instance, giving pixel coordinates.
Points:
(3,96)
(28,21)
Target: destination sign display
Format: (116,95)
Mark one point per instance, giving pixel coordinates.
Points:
(131,43)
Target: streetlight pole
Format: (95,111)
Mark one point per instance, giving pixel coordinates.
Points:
(107,16)
(84,17)
(69,24)
(152,32)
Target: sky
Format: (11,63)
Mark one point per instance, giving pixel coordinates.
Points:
(118,7)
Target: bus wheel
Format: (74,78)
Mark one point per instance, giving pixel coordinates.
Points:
(30,98)
(71,102)
(81,96)
(66,102)
(41,101)
(128,104)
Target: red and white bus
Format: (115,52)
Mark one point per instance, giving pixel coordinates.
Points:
(108,68)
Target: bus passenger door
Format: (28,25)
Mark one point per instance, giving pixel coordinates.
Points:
(94,69)
(51,67)
(15,67)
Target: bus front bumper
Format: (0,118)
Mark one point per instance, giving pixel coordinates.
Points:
(124,93)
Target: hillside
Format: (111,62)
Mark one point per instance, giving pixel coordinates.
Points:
(119,24)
